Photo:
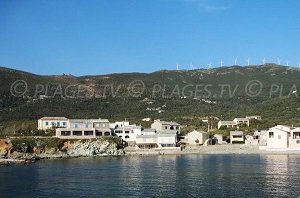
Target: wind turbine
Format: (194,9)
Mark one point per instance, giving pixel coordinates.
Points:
(177,66)
(191,66)
(287,63)
(221,63)
(278,61)
(264,61)
(248,61)
(235,61)
(209,65)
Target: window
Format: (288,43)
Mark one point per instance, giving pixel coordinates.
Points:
(98,133)
(279,137)
(77,133)
(171,127)
(271,134)
(298,141)
(127,132)
(166,127)
(76,125)
(127,136)
(296,135)
(88,133)
(64,123)
(58,124)
(65,133)
(87,125)
(47,123)
(52,123)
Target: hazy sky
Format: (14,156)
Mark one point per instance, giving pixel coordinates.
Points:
(108,36)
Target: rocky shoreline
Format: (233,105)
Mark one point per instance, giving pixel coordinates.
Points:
(9,153)
(29,150)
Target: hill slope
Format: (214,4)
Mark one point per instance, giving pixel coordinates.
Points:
(268,90)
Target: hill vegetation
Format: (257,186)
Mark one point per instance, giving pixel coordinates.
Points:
(186,96)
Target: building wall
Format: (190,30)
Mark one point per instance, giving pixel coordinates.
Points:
(146,140)
(294,141)
(219,138)
(50,124)
(195,135)
(128,134)
(279,139)
(160,127)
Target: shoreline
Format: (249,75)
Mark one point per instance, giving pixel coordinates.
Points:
(226,149)
(210,149)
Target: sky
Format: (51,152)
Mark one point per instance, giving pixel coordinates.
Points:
(115,36)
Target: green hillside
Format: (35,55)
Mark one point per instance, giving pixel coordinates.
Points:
(186,96)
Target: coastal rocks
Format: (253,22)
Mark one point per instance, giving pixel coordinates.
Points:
(32,149)
(5,147)
(91,148)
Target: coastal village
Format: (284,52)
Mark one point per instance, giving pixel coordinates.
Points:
(163,135)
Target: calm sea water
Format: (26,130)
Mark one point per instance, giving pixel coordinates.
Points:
(156,176)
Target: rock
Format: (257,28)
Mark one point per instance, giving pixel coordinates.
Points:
(4,163)
(5,147)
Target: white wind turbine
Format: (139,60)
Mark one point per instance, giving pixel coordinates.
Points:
(278,61)
(209,65)
(177,66)
(236,61)
(264,61)
(192,66)
(287,63)
(221,62)
(248,61)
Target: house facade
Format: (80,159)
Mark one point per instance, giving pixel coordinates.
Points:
(84,129)
(127,132)
(236,136)
(228,124)
(283,137)
(219,138)
(196,137)
(258,138)
(46,123)
(166,127)
(256,117)
(235,123)
(242,121)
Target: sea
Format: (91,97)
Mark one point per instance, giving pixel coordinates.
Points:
(197,175)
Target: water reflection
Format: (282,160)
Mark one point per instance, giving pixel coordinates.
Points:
(156,176)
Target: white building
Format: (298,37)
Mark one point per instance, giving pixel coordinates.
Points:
(242,121)
(156,140)
(84,129)
(256,117)
(166,127)
(127,132)
(219,138)
(228,124)
(196,137)
(283,138)
(52,122)
(235,123)
(236,136)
